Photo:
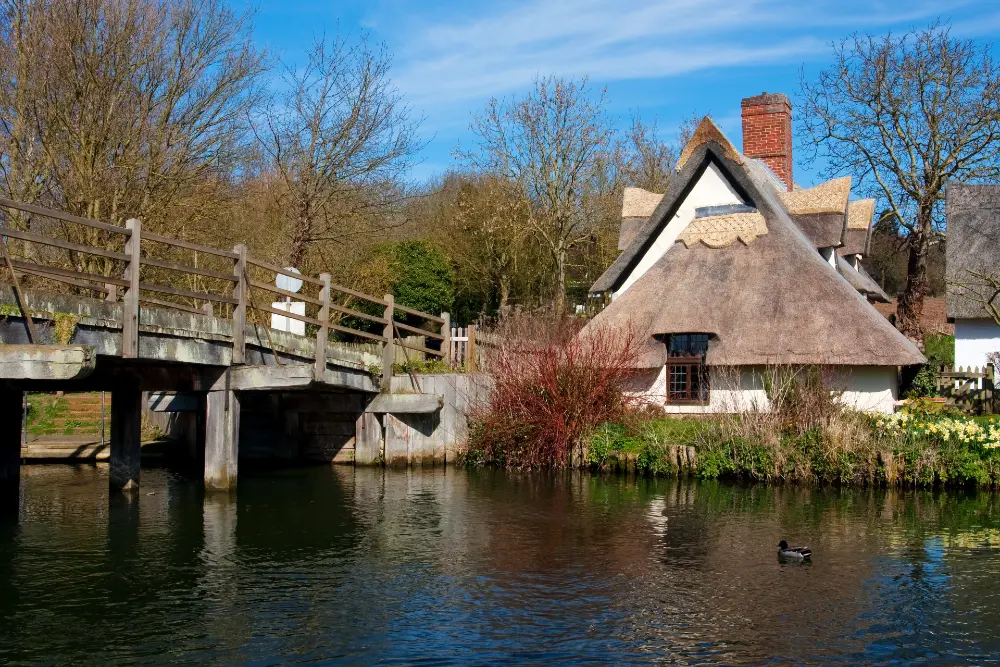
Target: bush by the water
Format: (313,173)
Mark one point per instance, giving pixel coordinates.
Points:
(551,387)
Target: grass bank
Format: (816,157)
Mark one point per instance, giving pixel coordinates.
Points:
(912,449)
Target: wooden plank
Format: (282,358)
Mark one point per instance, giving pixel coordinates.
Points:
(323,333)
(170,304)
(204,296)
(356,313)
(283,271)
(418,331)
(59,243)
(241,294)
(355,332)
(69,281)
(130,302)
(418,348)
(426,316)
(68,273)
(184,268)
(388,351)
(293,295)
(65,217)
(32,334)
(285,313)
(190,246)
(355,293)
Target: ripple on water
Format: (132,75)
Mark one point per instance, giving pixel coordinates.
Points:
(355,567)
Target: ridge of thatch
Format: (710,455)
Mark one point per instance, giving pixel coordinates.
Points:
(773,301)
(707,131)
(861,281)
(639,203)
(720,231)
(828,197)
(860,213)
(973,214)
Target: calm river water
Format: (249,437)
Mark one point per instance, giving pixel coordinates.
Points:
(337,566)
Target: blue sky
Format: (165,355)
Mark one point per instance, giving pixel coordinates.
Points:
(666,59)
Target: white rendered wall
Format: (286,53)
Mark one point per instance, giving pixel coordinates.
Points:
(974,339)
(712,189)
(741,389)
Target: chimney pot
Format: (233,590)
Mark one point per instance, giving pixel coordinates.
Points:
(767,132)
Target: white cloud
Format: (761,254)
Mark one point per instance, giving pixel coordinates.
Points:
(450,63)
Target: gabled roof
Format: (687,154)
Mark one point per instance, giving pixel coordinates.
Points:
(769,300)
(861,281)
(973,213)
(821,211)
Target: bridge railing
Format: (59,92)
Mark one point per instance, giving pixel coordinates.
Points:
(199,279)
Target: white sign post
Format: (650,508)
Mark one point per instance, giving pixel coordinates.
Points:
(279,322)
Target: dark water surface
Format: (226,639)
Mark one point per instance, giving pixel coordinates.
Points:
(337,566)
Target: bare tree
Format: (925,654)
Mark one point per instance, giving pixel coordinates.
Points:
(340,141)
(904,115)
(553,143)
(121,108)
(649,161)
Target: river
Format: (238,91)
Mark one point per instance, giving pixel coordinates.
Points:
(344,566)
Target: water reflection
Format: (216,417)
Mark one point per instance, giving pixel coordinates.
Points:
(338,565)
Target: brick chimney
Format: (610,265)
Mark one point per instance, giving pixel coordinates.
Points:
(767,132)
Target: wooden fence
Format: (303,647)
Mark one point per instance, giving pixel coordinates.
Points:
(968,388)
(134,266)
(463,350)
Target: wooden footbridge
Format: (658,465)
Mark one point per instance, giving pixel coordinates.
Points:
(136,311)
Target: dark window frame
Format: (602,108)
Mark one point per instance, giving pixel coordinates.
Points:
(686,354)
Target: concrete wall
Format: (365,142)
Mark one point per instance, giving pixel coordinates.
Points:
(974,339)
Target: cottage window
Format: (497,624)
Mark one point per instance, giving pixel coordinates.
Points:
(687,375)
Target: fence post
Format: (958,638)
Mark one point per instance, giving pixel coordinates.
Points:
(446,355)
(389,349)
(240,312)
(470,350)
(130,302)
(323,333)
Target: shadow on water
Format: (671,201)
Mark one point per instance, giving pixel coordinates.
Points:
(345,566)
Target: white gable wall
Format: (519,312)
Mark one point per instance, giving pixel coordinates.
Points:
(711,189)
(974,339)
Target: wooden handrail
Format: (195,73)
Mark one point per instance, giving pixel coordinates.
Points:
(204,296)
(285,313)
(65,217)
(355,293)
(413,346)
(68,273)
(59,243)
(277,269)
(418,331)
(293,295)
(172,266)
(426,316)
(187,245)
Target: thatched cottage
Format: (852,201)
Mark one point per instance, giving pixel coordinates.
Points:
(735,271)
(973,273)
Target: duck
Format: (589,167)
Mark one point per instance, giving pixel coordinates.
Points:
(793,553)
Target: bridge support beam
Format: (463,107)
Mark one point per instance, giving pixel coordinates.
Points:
(126,438)
(222,437)
(10,450)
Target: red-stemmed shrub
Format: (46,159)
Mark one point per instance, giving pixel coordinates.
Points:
(551,385)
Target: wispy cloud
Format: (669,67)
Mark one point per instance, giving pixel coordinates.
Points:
(447,63)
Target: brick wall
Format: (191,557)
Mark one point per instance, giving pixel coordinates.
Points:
(767,132)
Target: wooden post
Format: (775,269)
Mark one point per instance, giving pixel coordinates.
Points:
(32,335)
(126,437)
(446,356)
(130,303)
(240,312)
(112,292)
(207,308)
(389,350)
(323,333)
(470,350)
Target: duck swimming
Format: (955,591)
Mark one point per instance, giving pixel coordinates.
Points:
(793,553)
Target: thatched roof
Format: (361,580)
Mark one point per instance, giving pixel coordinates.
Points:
(857,236)
(637,206)
(769,300)
(973,213)
(707,131)
(861,281)
(820,211)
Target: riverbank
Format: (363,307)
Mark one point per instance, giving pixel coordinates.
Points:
(918,449)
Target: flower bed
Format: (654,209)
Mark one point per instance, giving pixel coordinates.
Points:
(984,433)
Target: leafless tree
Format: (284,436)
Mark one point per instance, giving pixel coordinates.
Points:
(904,115)
(649,161)
(553,143)
(124,108)
(340,140)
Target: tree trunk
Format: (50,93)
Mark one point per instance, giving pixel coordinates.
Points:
(560,300)
(504,295)
(297,248)
(911,304)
